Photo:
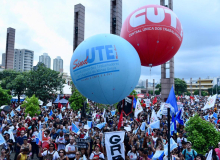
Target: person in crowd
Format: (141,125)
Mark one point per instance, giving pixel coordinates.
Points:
(133,153)
(188,153)
(62,155)
(19,142)
(71,149)
(96,154)
(50,154)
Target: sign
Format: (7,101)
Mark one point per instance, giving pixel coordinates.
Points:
(114,145)
(147,102)
(82,143)
(140,95)
(128,105)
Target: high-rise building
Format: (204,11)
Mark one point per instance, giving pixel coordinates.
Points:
(45,59)
(115,16)
(58,64)
(23,60)
(3,60)
(10,42)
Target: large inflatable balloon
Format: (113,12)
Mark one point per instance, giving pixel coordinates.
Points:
(105,68)
(155,32)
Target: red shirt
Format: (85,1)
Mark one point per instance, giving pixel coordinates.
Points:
(81,135)
(19,131)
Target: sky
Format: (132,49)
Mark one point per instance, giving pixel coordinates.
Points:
(47,27)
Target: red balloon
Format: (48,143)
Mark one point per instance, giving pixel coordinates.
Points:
(155,32)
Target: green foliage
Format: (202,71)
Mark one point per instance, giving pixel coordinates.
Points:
(7,76)
(180,86)
(31,106)
(159,87)
(196,92)
(157,92)
(18,85)
(187,93)
(202,134)
(134,93)
(5,97)
(76,100)
(150,92)
(213,90)
(44,82)
(204,93)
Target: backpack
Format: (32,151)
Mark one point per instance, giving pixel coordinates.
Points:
(96,155)
(184,153)
(49,156)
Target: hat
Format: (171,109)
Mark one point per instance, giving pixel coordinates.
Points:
(98,145)
(33,118)
(189,142)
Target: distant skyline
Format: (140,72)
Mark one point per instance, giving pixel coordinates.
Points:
(44,30)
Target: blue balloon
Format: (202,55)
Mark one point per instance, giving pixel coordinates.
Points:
(105,68)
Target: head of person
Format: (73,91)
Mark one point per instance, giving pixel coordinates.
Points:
(78,155)
(22,133)
(62,153)
(3,151)
(47,132)
(25,141)
(61,126)
(97,148)
(180,134)
(7,135)
(61,133)
(133,149)
(25,151)
(199,157)
(19,125)
(51,147)
(66,136)
(188,145)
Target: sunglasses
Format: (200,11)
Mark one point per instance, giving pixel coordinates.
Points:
(61,152)
(77,154)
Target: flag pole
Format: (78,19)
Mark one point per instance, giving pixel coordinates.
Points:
(168,135)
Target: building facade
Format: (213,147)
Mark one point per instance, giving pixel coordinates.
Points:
(205,85)
(23,60)
(58,64)
(45,59)
(3,59)
(10,42)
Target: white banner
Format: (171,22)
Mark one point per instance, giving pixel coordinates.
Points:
(210,103)
(147,101)
(114,145)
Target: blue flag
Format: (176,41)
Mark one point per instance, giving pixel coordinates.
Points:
(142,128)
(134,102)
(172,100)
(174,123)
(113,112)
(89,123)
(75,129)
(86,136)
(12,113)
(51,113)
(60,116)
(215,115)
(206,117)
(179,117)
(158,155)
(148,131)
(155,125)
(101,125)
(171,129)
(46,119)
(135,131)
(2,140)
(18,109)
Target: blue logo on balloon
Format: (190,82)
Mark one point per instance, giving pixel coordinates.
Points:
(105,68)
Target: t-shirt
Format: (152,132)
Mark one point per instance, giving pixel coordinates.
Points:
(217,150)
(189,155)
(180,140)
(55,154)
(94,154)
(70,147)
(62,141)
(133,156)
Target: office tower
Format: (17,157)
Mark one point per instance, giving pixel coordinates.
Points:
(3,59)
(58,64)
(45,59)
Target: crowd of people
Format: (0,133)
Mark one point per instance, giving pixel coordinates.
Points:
(22,133)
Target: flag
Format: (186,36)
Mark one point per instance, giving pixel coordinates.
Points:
(60,105)
(84,157)
(178,98)
(60,116)
(172,100)
(113,112)
(171,129)
(135,131)
(86,136)
(51,113)
(155,100)
(138,109)
(155,125)
(153,117)
(63,108)
(39,137)
(209,157)
(192,102)
(46,119)
(2,140)
(39,125)
(134,102)
(173,145)
(75,129)
(148,131)
(103,115)
(158,155)
(89,123)
(18,109)
(210,102)
(206,117)
(174,123)
(120,121)
(215,115)
(11,135)
(58,98)
(143,125)
(179,117)
(68,105)
(12,113)
(101,125)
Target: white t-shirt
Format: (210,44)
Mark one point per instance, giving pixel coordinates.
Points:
(60,140)
(133,156)
(55,154)
(154,139)
(100,155)
(70,147)
(179,141)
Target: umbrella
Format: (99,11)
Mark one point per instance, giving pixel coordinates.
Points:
(6,108)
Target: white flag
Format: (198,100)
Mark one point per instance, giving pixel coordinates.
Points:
(210,103)
(209,157)
(153,117)
(104,115)
(138,109)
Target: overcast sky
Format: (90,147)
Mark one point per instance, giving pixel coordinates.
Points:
(46,26)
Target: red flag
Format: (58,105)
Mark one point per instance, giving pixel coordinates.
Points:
(178,98)
(181,96)
(191,97)
(60,105)
(155,100)
(120,121)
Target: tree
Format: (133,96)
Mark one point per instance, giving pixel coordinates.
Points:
(76,100)
(196,92)
(134,93)
(213,90)
(159,87)
(202,134)
(7,76)
(180,86)
(44,83)
(31,106)
(204,93)
(18,85)
(157,92)
(187,93)
(5,97)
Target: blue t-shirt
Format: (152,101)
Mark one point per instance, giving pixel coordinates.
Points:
(189,155)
